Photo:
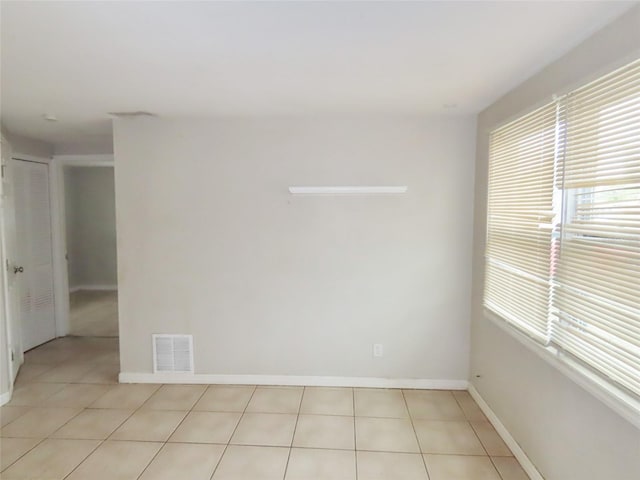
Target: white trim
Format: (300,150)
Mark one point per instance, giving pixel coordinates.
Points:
(293,380)
(59,247)
(93,287)
(361,190)
(105,160)
(511,442)
(5,397)
(31,158)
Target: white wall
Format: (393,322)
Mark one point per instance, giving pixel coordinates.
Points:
(90,226)
(211,243)
(565,431)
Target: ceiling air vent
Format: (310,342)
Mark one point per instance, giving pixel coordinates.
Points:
(135,114)
(172,353)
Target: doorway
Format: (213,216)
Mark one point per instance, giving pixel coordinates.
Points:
(90,230)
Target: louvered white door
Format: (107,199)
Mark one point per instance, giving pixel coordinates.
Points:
(13,335)
(34,252)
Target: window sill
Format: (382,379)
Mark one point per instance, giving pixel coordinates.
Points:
(622,403)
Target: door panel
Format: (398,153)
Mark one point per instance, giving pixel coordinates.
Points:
(34,253)
(13,335)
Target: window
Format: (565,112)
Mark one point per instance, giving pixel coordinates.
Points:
(520,211)
(563,226)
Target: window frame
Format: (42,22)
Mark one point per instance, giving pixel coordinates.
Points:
(625,402)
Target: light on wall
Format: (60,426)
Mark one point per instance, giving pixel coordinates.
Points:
(360,190)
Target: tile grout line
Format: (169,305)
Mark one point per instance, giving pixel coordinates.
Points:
(39,404)
(164,443)
(100,442)
(295,427)
(478,437)
(415,433)
(71,418)
(473,429)
(400,452)
(224,451)
(496,468)
(16,460)
(355,445)
(29,407)
(160,385)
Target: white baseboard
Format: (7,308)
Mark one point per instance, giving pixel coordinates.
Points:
(293,380)
(92,287)
(5,397)
(520,455)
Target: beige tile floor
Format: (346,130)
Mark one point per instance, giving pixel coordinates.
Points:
(69,419)
(93,313)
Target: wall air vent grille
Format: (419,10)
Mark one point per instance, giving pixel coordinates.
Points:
(172,353)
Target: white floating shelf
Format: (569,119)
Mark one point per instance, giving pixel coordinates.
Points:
(368,190)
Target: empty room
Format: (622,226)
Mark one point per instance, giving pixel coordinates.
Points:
(320,240)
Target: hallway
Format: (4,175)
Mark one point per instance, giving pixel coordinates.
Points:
(93,313)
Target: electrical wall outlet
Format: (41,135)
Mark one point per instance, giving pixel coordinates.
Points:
(378,351)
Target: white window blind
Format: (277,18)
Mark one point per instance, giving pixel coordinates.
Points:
(563,226)
(520,212)
(597,294)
